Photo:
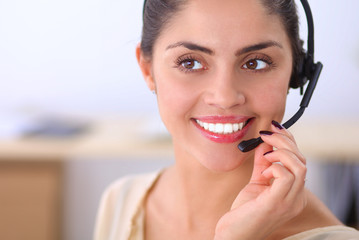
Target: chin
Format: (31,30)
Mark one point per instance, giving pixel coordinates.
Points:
(223,164)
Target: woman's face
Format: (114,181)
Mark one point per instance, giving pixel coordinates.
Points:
(221,71)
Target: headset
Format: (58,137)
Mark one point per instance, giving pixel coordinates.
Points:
(307,71)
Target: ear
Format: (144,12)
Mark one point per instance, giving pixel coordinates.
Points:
(146,68)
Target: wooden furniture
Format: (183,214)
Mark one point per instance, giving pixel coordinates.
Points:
(30,200)
(32,175)
(31,187)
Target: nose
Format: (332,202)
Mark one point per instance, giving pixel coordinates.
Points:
(224,91)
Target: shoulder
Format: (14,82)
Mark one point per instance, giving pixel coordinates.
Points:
(120,202)
(338,232)
(129,187)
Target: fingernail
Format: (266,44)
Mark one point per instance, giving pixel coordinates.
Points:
(277,125)
(268,133)
(267,153)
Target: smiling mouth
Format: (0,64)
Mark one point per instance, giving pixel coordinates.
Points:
(223,128)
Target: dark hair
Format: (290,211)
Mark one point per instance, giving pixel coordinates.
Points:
(287,12)
(157,13)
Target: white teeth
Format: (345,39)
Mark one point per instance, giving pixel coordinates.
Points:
(200,123)
(211,127)
(236,127)
(228,128)
(221,128)
(241,125)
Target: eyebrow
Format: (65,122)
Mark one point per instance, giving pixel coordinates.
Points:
(259,46)
(191,46)
(251,48)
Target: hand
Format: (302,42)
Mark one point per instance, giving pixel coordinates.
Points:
(275,193)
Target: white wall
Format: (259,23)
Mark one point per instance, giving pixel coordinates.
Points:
(70,56)
(77,56)
(337,47)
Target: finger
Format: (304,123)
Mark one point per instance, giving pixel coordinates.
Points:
(282,182)
(260,164)
(282,141)
(283,193)
(289,160)
(293,164)
(278,128)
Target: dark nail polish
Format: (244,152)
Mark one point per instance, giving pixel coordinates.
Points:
(268,133)
(267,153)
(277,125)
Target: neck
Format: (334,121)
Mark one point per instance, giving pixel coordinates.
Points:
(204,194)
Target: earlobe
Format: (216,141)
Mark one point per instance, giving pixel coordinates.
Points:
(145,66)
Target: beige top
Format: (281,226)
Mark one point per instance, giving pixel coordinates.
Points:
(121,213)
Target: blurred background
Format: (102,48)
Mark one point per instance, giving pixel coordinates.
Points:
(75,113)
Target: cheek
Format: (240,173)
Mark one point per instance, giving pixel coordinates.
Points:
(175,99)
(272,100)
(276,103)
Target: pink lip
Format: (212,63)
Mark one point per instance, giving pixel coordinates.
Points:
(223,138)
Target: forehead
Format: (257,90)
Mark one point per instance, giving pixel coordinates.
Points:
(227,22)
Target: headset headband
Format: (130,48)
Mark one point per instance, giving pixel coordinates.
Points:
(310,23)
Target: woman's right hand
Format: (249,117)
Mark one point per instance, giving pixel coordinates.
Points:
(275,193)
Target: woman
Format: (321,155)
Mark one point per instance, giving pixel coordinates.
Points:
(221,71)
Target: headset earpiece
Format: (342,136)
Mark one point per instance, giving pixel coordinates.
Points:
(305,67)
(298,78)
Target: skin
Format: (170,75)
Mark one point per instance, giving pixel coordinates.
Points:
(214,191)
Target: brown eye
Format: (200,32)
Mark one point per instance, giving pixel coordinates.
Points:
(252,64)
(191,64)
(255,64)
